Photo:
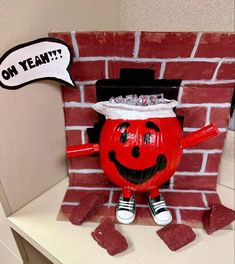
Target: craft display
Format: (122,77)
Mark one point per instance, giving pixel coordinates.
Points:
(141,145)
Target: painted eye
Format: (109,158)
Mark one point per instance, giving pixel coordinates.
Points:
(123,137)
(147,138)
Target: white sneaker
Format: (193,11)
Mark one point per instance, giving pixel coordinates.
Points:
(125,211)
(161,214)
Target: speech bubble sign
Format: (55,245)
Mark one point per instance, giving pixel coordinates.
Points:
(44,58)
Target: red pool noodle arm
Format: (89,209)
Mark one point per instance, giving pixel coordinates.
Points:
(82,150)
(194,138)
(199,136)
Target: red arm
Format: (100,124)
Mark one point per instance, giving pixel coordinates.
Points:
(82,150)
(199,136)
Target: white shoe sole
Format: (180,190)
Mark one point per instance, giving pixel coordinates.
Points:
(125,221)
(161,222)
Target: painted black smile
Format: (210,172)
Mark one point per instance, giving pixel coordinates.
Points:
(138,176)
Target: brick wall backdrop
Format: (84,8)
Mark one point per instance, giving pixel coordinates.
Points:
(204,61)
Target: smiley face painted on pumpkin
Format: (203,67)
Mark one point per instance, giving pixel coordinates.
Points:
(137,143)
(138,154)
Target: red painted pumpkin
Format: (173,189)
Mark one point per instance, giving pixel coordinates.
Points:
(140,154)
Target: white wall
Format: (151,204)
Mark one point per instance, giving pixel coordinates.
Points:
(178,15)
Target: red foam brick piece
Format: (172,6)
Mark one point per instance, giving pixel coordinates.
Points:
(217,217)
(189,70)
(87,207)
(166,45)
(109,238)
(216,45)
(105,43)
(176,236)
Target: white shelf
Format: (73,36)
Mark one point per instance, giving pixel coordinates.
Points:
(64,243)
